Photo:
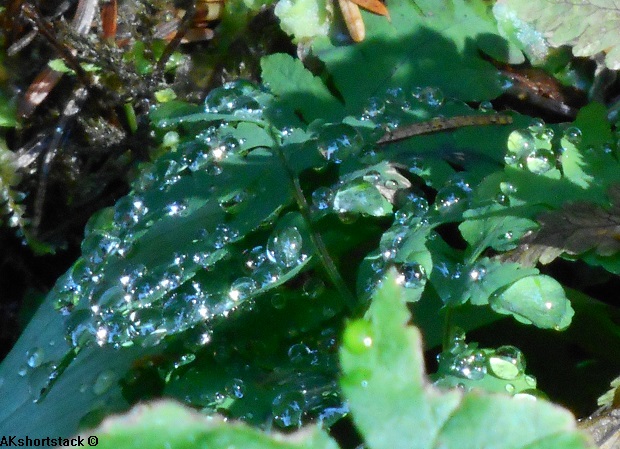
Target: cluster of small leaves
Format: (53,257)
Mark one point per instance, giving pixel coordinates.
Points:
(587,26)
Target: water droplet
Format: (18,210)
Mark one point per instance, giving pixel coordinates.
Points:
(432,96)
(22,371)
(313,288)
(485,106)
(520,143)
(266,275)
(236,97)
(176,208)
(470,365)
(530,380)
(242,288)
(358,337)
(507,362)
(287,409)
(457,342)
(451,198)
(97,247)
(322,199)
(278,301)
(510,388)
(411,275)
(104,381)
(224,235)
(299,353)
(477,273)
(129,210)
(185,359)
(284,247)
(254,258)
(540,161)
(39,379)
(374,109)
(337,142)
(537,125)
(573,135)
(235,389)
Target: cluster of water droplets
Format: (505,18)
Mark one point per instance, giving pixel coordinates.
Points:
(536,148)
(393,252)
(240,98)
(337,142)
(454,195)
(505,364)
(389,110)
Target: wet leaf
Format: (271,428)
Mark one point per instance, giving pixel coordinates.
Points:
(166,424)
(538,300)
(588,26)
(384,381)
(426,30)
(298,87)
(573,230)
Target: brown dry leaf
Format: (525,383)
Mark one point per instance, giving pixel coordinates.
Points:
(574,229)
(373,6)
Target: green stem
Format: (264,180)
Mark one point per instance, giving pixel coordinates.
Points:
(448,329)
(317,240)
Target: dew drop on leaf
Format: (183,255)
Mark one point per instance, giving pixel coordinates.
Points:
(470,365)
(284,247)
(540,161)
(322,199)
(520,143)
(431,96)
(176,208)
(235,389)
(477,273)
(278,301)
(298,353)
(224,235)
(573,135)
(254,258)
(339,141)
(129,210)
(287,409)
(34,357)
(242,288)
(411,275)
(105,379)
(507,362)
(375,107)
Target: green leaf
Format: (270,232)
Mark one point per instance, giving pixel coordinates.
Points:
(297,87)
(589,27)
(426,43)
(539,300)
(168,425)
(385,385)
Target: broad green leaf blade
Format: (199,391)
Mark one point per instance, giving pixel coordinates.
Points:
(385,384)
(539,300)
(297,87)
(90,382)
(426,43)
(587,26)
(168,425)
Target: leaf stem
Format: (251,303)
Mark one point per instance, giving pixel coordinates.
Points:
(447,329)
(317,240)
